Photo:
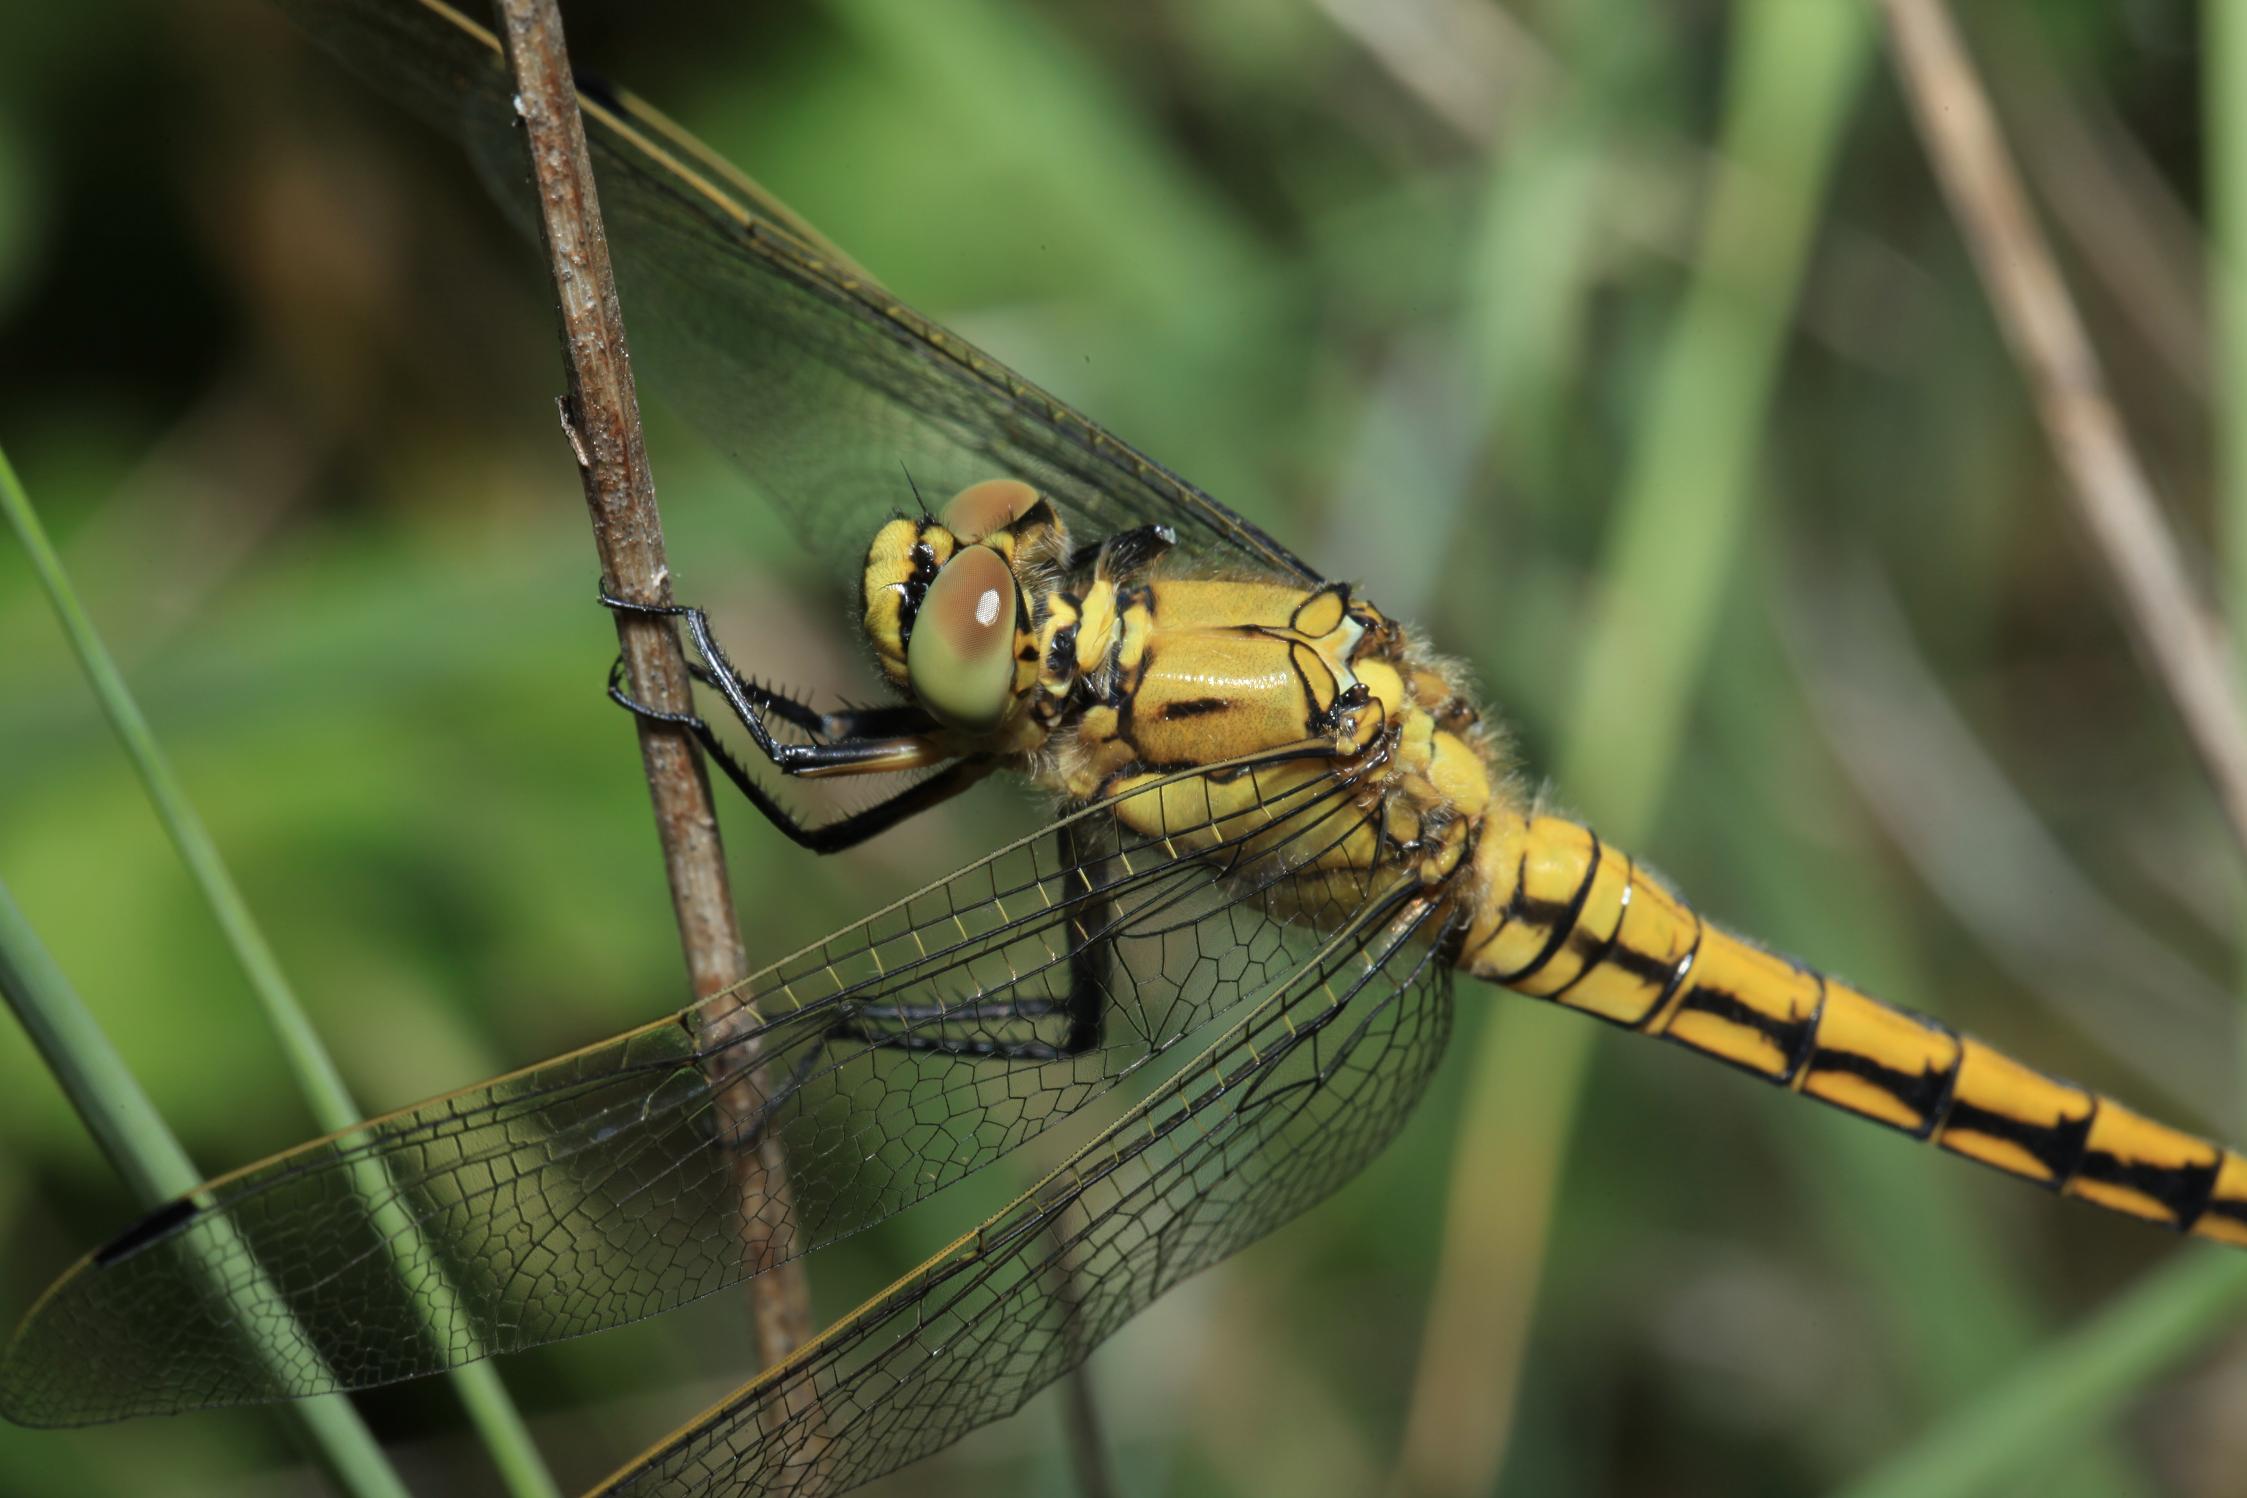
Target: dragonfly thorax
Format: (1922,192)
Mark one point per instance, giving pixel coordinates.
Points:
(1192,705)
(1228,704)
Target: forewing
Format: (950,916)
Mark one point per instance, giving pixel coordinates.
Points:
(886,1062)
(825,389)
(1284,1107)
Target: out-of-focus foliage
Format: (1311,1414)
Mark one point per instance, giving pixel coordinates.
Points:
(282,384)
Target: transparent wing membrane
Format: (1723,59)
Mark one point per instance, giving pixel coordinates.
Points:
(824,388)
(895,1057)
(1290,1102)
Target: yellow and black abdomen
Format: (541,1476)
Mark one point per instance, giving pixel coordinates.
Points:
(1565,918)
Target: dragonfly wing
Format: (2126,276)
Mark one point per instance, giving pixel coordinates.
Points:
(887,1062)
(1310,1084)
(823,387)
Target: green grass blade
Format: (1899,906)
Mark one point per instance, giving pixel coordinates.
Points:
(2076,1382)
(1677,530)
(125,1124)
(497,1422)
(2222,87)
(1671,551)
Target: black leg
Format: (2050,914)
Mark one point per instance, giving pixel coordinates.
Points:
(972,1047)
(890,721)
(1092,933)
(1090,919)
(854,746)
(820,837)
(915,1028)
(855,741)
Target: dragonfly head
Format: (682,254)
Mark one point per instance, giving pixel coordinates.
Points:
(952,603)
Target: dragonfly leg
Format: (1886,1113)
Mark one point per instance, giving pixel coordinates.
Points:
(817,837)
(911,1019)
(853,741)
(935,1028)
(1091,949)
(1083,1009)
(920,1029)
(849,723)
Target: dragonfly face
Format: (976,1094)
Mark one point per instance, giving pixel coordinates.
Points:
(956,610)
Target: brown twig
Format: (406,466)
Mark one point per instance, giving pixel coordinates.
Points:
(2112,204)
(601,416)
(2173,629)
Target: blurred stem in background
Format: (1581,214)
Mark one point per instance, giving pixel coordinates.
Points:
(125,1124)
(2224,88)
(1671,550)
(481,1394)
(2077,1383)
(2110,488)
(1944,1298)
(2069,1386)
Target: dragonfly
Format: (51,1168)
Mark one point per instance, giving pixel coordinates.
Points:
(1282,827)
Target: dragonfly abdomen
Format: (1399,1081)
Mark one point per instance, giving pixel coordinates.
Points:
(1567,918)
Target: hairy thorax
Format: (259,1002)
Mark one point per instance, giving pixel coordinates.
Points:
(1292,727)
(1213,676)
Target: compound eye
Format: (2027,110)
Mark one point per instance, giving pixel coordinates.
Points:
(960,659)
(993,505)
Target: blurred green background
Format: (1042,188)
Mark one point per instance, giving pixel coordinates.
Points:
(1397,280)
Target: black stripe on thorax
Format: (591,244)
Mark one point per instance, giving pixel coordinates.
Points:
(1061,656)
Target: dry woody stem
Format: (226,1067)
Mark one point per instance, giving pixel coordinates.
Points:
(2173,628)
(602,415)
